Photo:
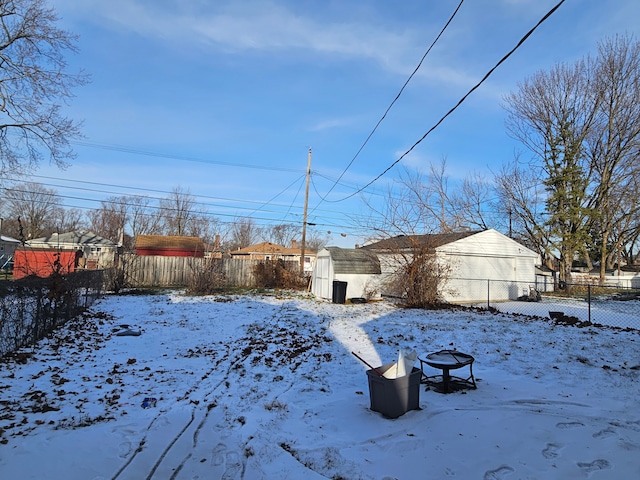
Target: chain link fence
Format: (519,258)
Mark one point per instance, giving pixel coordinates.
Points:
(577,303)
(32,307)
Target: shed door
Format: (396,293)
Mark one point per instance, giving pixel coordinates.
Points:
(322,282)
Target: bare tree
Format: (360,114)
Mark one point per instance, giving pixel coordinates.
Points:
(143,219)
(316,241)
(109,220)
(404,227)
(436,198)
(435,202)
(283,234)
(472,201)
(243,232)
(68,219)
(33,83)
(205,227)
(614,148)
(31,211)
(177,211)
(521,200)
(412,208)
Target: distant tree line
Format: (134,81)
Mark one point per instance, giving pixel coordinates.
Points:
(31,210)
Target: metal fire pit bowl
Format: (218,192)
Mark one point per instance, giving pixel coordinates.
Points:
(447,360)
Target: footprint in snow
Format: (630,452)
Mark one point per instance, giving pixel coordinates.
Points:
(234,466)
(499,473)
(596,465)
(607,432)
(124,449)
(218,454)
(569,425)
(230,459)
(552,450)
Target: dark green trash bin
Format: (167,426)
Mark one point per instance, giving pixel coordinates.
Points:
(339,291)
(393,397)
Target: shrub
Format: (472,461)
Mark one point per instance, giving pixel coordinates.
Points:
(279,274)
(208,279)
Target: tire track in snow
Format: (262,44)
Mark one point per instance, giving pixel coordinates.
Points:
(258,335)
(291,351)
(144,441)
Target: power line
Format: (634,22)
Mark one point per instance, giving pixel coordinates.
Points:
(384,115)
(124,149)
(327,221)
(476,86)
(154,191)
(291,205)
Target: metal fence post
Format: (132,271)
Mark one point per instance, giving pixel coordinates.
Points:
(488,294)
(589,301)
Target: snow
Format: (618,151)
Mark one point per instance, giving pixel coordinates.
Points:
(266,387)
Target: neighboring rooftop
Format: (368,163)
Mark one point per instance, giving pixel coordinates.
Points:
(430,240)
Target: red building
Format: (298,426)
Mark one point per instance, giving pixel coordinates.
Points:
(43,262)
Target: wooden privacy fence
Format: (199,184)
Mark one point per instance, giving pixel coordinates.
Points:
(159,271)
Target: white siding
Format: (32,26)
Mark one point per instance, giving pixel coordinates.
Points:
(358,285)
(483,265)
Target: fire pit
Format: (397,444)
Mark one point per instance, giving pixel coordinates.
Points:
(447,360)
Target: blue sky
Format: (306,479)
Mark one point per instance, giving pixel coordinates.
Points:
(224,98)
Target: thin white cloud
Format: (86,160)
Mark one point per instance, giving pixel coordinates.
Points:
(258,25)
(270,27)
(332,123)
(416,161)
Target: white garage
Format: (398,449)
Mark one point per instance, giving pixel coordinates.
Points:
(483,265)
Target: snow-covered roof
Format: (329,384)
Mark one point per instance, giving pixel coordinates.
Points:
(76,237)
(4,238)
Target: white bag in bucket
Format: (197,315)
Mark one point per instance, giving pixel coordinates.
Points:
(406,360)
(404,365)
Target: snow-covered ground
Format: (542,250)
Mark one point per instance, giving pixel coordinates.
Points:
(266,387)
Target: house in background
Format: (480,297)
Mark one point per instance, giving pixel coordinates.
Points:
(483,265)
(358,268)
(8,246)
(92,251)
(272,251)
(169,246)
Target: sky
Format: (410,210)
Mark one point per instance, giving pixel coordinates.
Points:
(225,99)
(266,387)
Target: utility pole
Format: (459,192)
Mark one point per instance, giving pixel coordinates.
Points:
(304,217)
